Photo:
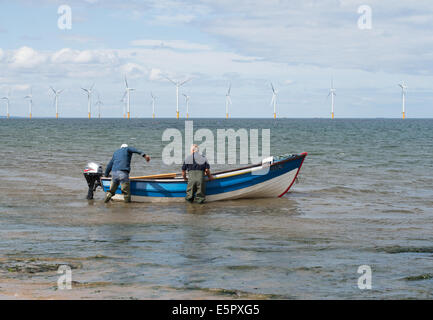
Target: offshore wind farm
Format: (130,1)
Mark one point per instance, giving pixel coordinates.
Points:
(126,98)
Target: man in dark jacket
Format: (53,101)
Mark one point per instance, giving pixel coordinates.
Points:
(120,164)
(197,166)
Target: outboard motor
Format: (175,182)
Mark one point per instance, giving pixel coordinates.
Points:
(93,173)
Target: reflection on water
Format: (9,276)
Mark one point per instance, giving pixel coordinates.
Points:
(364,196)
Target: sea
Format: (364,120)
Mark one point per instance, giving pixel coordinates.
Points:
(357,224)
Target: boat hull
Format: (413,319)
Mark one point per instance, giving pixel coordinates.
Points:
(260,181)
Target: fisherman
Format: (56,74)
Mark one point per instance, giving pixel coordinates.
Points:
(197,166)
(120,164)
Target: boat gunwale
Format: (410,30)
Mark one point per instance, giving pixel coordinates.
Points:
(177,180)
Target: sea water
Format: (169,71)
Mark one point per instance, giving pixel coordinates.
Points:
(364,197)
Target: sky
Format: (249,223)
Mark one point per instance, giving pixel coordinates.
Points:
(299,46)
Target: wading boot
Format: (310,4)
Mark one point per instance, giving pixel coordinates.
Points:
(107,197)
(126,190)
(110,193)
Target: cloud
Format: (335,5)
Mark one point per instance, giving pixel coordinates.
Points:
(309,32)
(85,57)
(64,55)
(296,44)
(67,55)
(133,70)
(26,57)
(155,74)
(170,44)
(326,34)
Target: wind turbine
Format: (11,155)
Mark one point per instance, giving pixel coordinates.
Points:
(127,93)
(228,100)
(274,100)
(177,84)
(89,98)
(403,97)
(56,99)
(99,103)
(7,103)
(30,97)
(153,104)
(332,94)
(187,105)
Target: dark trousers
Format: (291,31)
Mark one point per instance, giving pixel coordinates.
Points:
(196,188)
(122,178)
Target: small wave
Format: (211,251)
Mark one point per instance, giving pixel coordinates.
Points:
(399,249)
(397,211)
(339,190)
(242,267)
(233,293)
(257,249)
(34,267)
(315,269)
(426,276)
(97,257)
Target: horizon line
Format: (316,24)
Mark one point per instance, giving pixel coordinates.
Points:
(222,117)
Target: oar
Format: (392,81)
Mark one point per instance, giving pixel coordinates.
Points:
(156,176)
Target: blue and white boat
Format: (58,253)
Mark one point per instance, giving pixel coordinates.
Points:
(272,178)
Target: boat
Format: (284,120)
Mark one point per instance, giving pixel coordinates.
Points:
(271,178)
